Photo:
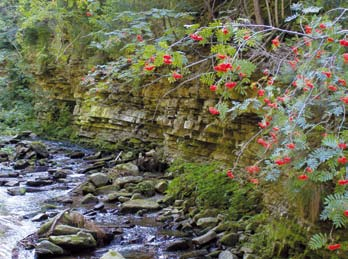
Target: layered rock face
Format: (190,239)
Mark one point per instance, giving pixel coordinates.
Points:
(178,119)
(175,117)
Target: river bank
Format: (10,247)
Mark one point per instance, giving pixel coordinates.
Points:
(64,201)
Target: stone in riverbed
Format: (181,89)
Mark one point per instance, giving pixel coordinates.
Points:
(16,191)
(147,188)
(140,204)
(112,254)
(195,254)
(178,245)
(40,149)
(204,239)
(46,247)
(207,222)
(227,255)
(107,189)
(80,240)
(21,164)
(39,182)
(39,217)
(89,199)
(99,179)
(61,173)
(121,181)
(77,154)
(127,167)
(11,183)
(162,186)
(230,239)
(115,195)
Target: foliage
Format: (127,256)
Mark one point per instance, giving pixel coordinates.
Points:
(210,188)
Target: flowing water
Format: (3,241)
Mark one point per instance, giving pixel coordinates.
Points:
(16,211)
(140,238)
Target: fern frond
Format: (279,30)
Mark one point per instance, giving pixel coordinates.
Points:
(317,241)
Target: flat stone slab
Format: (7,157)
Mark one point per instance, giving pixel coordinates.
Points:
(139,204)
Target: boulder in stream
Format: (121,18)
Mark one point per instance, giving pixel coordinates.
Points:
(99,179)
(112,254)
(75,242)
(139,204)
(45,248)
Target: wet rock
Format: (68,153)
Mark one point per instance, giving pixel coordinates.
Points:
(89,199)
(4,157)
(115,195)
(227,255)
(151,163)
(179,245)
(62,229)
(128,167)
(230,239)
(178,203)
(112,254)
(136,196)
(40,149)
(136,205)
(77,154)
(99,179)
(21,151)
(88,188)
(246,250)
(147,188)
(46,247)
(207,222)
(16,191)
(204,239)
(123,199)
(107,189)
(162,186)
(99,206)
(9,175)
(121,181)
(39,217)
(12,183)
(21,164)
(61,173)
(195,254)
(39,182)
(80,240)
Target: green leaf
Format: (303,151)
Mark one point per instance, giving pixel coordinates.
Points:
(317,241)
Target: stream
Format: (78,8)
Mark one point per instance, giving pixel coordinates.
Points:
(139,237)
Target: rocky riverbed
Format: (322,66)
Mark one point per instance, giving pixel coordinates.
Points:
(60,201)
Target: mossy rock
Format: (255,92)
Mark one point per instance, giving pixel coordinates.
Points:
(146,188)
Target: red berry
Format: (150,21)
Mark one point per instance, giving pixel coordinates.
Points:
(89,14)
(230,85)
(334,247)
(342,160)
(345,213)
(214,111)
(291,145)
(261,92)
(177,75)
(139,38)
(230,174)
(303,177)
(345,57)
(213,88)
(276,42)
(342,145)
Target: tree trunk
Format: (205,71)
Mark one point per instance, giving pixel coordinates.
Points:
(257,12)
